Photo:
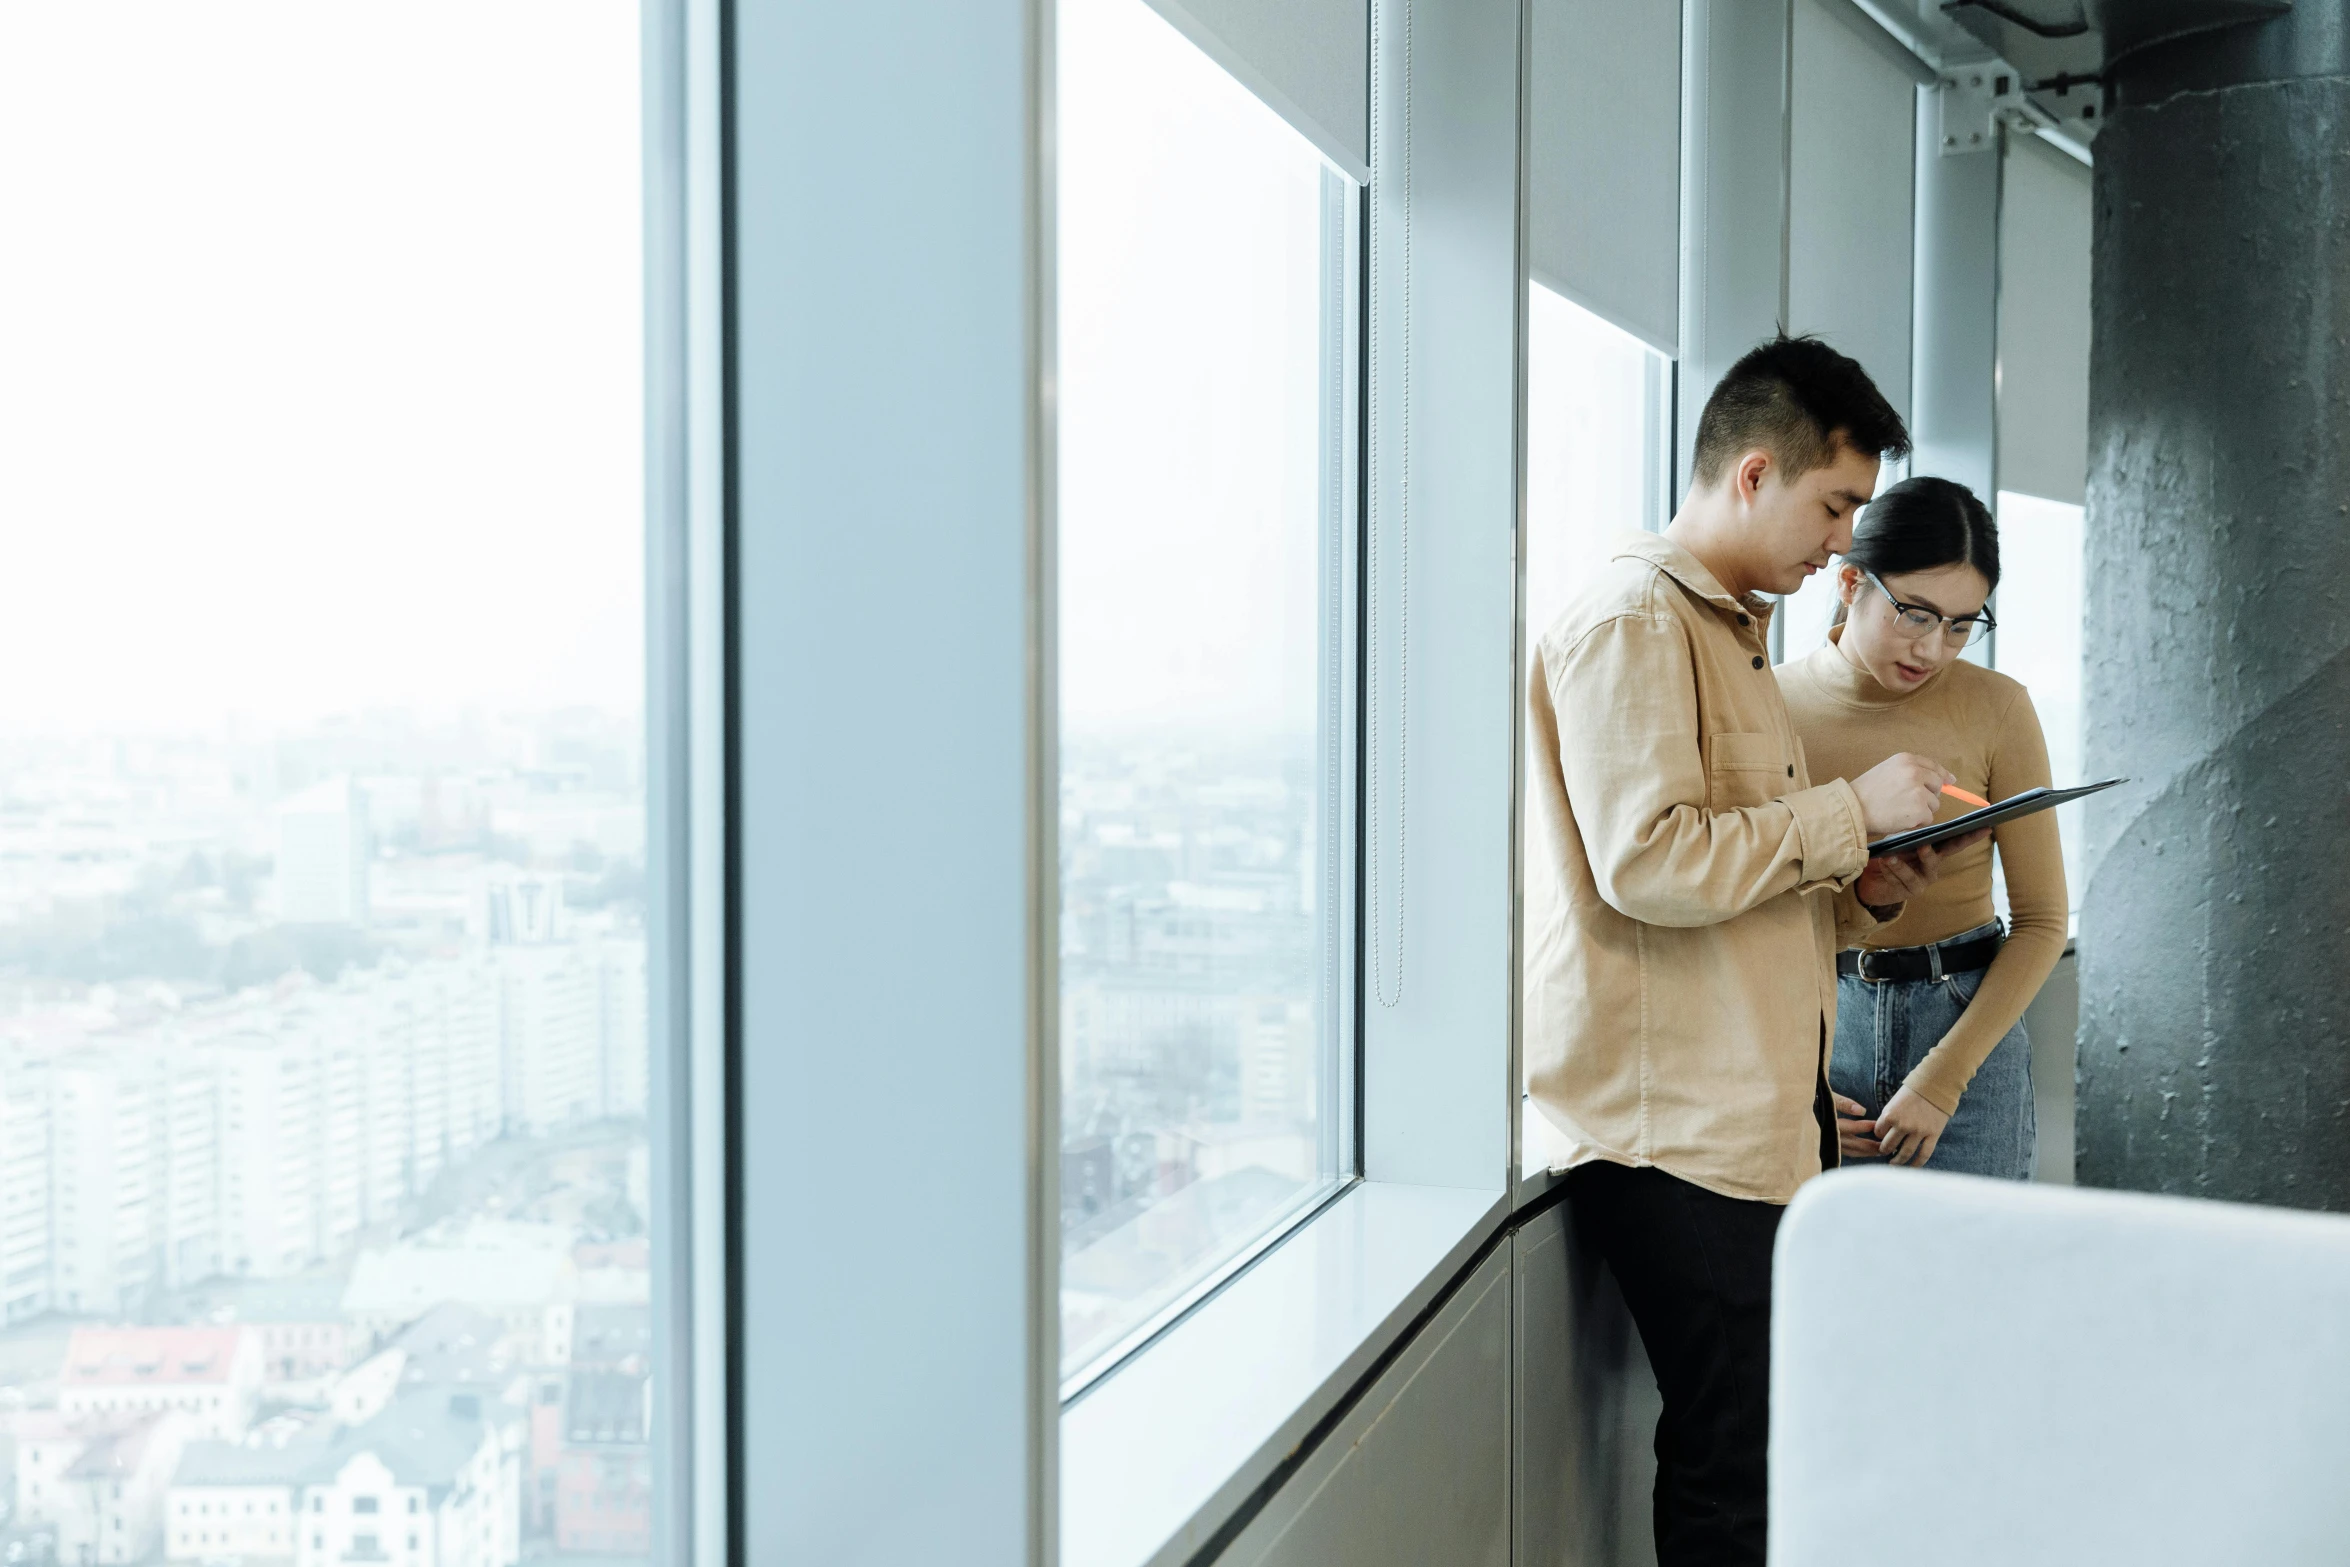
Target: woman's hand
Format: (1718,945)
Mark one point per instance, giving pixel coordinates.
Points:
(1894,879)
(1908,1128)
(1855,1132)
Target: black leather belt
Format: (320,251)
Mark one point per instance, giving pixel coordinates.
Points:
(1880,964)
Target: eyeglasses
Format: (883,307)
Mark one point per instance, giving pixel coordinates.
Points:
(1915,620)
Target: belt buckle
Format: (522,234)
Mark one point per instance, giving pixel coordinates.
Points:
(1868,967)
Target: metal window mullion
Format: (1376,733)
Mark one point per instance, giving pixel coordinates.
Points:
(685,1037)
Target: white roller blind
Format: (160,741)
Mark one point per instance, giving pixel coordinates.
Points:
(1851,180)
(1604,159)
(1733,194)
(1309,59)
(2044,323)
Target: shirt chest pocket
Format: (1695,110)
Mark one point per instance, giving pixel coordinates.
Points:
(1745,769)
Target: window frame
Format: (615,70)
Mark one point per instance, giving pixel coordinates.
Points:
(926,1219)
(1531,1181)
(688,1130)
(1435,1075)
(1168,1459)
(1346,200)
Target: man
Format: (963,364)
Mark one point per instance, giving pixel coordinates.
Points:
(1687,891)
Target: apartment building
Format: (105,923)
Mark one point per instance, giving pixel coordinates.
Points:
(237,1500)
(426,1477)
(27,1236)
(433,1481)
(256,1135)
(604,1478)
(109,1507)
(550,1015)
(520,1275)
(210,1375)
(268,1159)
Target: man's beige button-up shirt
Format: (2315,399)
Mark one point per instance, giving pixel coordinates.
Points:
(1686,885)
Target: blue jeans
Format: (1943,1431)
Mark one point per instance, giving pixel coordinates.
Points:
(1885,1029)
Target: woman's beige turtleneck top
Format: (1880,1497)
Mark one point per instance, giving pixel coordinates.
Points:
(1980,725)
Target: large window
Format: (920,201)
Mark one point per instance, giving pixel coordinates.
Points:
(1807,615)
(323,1020)
(1204,282)
(1597,469)
(2039,640)
(1596,448)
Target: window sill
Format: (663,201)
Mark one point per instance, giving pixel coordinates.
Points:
(1157,1456)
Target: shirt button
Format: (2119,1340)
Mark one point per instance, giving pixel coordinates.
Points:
(1790,769)
(1758,661)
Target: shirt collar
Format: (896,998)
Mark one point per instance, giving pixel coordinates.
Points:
(1686,569)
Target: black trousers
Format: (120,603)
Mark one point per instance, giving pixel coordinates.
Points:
(1695,1269)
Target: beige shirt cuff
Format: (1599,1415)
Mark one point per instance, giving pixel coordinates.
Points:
(1835,839)
(1855,919)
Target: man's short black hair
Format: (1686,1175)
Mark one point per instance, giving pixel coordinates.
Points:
(1795,397)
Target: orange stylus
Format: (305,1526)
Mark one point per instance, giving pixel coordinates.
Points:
(1972,799)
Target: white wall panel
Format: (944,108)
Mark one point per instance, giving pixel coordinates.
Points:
(897,1411)
(1851,176)
(1441,563)
(2043,323)
(1309,59)
(1953,413)
(1603,198)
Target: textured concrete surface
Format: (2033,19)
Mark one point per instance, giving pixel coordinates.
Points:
(2215,973)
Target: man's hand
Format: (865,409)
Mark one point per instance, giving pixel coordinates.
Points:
(1855,1132)
(1901,792)
(1908,1129)
(1897,878)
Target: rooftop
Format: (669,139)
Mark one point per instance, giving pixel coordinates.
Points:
(425,1438)
(150,1357)
(252,1463)
(453,1344)
(117,1453)
(306,1298)
(410,1280)
(603,1335)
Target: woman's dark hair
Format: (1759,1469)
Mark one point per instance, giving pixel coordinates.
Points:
(1922,524)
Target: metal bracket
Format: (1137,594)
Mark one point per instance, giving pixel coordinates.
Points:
(2072,107)
(1972,97)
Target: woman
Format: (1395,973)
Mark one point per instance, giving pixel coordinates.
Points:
(1931,1063)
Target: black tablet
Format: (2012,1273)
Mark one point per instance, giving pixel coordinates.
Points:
(2006,810)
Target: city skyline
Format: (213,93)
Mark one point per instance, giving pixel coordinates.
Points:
(1193,1025)
(316,1035)
(323,1002)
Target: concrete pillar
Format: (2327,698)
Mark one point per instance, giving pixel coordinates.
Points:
(2215,1017)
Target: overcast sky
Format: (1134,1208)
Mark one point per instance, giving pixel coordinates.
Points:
(319,358)
(1190,411)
